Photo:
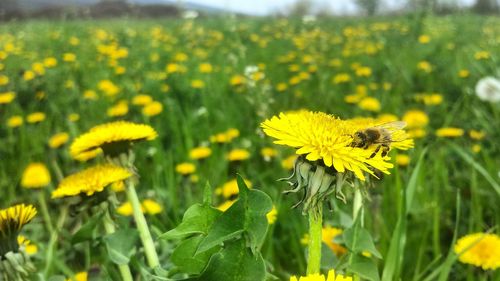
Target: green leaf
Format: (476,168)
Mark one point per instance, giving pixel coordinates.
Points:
(186,259)
(364,267)
(197,220)
(395,253)
(121,245)
(248,214)
(235,262)
(56,278)
(358,240)
(88,230)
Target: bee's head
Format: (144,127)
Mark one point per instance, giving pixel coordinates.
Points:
(359,136)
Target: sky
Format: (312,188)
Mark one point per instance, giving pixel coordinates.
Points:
(265,7)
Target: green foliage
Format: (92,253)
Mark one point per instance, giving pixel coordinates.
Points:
(121,245)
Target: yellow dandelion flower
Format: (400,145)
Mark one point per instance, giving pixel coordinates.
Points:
(332,276)
(319,136)
(106,135)
(370,104)
(205,68)
(200,152)
(415,119)
(476,148)
(15,121)
(151,207)
(29,247)
(238,155)
(476,135)
(230,188)
(268,153)
(463,73)
(80,276)
(281,87)
(50,62)
(69,57)
(289,162)
(36,175)
(73,117)
(341,78)
(237,80)
(152,109)
(479,249)
(425,66)
(142,100)
(58,140)
(125,209)
(402,160)
(272,215)
(108,87)
(7,97)
(424,39)
(328,234)
(13,219)
(197,84)
(90,181)
(90,95)
(417,133)
(4,80)
(225,205)
(28,75)
(35,117)
(482,55)
(185,168)
(364,71)
(120,109)
(449,132)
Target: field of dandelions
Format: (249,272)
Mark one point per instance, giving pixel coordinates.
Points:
(228,149)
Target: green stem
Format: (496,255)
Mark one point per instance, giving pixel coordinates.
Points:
(142,226)
(109,226)
(52,246)
(315,239)
(45,211)
(357,204)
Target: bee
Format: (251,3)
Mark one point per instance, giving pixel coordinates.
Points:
(380,135)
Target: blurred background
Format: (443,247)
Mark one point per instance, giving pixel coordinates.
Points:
(22,9)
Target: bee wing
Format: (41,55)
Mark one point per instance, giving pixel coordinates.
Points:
(392,126)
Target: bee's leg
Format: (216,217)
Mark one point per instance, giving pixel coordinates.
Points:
(385,150)
(376,151)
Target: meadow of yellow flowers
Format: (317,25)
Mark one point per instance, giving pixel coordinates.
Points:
(250,149)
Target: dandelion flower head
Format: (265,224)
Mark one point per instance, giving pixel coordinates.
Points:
(479,249)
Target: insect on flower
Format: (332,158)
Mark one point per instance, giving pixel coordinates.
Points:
(380,135)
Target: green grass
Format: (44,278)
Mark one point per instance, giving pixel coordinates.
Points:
(412,214)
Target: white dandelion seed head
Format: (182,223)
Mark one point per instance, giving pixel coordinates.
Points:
(488,89)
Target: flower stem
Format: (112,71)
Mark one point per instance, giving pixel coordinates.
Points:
(54,235)
(315,237)
(142,226)
(45,211)
(357,204)
(110,229)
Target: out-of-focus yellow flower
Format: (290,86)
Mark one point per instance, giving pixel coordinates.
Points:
(151,207)
(281,87)
(108,87)
(69,57)
(341,78)
(463,73)
(80,276)
(415,119)
(73,117)
(120,109)
(58,140)
(7,97)
(118,186)
(197,84)
(205,67)
(230,188)
(172,68)
(476,135)
(142,100)
(364,71)
(449,132)
(29,247)
(15,121)
(482,55)
(185,168)
(272,215)
(225,205)
(4,80)
(28,75)
(200,152)
(180,57)
(238,155)
(152,109)
(288,163)
(417,133)
(332,276)
(268,153)
(424,39)
(429,99)
(237,80)
(476,148)
(479,249)
(90,95)
(50,62)
(425,66)
(402,160)
(35,117)
(36,175)
(370,104)
(38,68)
